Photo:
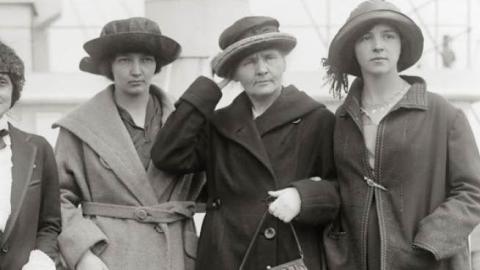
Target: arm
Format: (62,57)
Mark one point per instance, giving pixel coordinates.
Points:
(49,223)
(79,234)
(312,200)
(319,194)
(445,231)
(180,145)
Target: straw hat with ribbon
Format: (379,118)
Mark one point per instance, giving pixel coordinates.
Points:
(246,36)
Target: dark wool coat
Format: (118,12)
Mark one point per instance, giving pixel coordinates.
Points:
(34,222)
(98,163)
(427,160)
(245,158)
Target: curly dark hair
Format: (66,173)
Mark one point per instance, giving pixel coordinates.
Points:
(12,65)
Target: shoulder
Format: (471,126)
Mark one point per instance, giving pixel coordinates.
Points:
(39,141)
(440,106)
(90,108)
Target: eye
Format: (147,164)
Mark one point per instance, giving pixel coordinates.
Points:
(3,81)
(365,37)
(123,60)
(247,61)
(390,36)
(148,59)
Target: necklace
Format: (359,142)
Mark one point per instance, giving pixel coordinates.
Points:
(370,109)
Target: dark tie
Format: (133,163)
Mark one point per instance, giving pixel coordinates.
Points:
(3,133)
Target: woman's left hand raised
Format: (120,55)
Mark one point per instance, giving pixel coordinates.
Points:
(287,204)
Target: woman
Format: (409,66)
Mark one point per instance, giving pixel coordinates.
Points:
(269,138)
(132,215)
(408,169)
(29,193)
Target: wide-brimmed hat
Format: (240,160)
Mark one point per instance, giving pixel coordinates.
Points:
(135,34)
(341,55)
(246,36)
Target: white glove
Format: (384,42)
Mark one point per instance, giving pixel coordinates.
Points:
(38,260)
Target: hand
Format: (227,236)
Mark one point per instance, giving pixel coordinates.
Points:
(90,261)
(39,261)
(286,205)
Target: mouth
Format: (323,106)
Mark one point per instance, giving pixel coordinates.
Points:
(136,82)
(263,82)
(379,59)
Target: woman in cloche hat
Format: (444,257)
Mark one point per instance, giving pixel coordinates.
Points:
(29,195)
(270,137)
(408,170)
(131,215)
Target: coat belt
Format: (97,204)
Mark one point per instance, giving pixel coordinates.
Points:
(167,212)
(162,214)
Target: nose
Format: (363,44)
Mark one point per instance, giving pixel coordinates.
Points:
(378,44)
(261,67)
(135,69)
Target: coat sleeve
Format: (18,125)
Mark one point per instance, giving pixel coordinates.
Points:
(445,231)
(319,194)
(49,222)
(180,146)
(79,233)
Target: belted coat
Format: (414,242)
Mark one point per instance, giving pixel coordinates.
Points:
(98,163)
(244,158)
(426,184)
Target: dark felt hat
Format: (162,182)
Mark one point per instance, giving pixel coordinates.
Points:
(246,36)
(341,54)
(137,34)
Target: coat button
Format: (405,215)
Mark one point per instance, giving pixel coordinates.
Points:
(158,229)
(4,250)
(141,214)
(269,233)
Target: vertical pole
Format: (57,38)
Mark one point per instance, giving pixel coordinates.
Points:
(469,34)
(436,33)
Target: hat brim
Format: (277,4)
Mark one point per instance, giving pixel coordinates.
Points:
(89,65)
(341,54)
(165,49)
(227,60)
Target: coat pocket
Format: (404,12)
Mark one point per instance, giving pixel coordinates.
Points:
(34,183)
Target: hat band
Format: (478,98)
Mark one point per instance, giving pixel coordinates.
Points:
(255,31)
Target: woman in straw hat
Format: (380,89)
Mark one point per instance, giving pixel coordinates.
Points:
(408,169)
(29,194)
(132,215)
(270,137)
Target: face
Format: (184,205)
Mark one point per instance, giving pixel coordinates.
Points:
(6,88)
(378,50)
(261,73)
(133,72)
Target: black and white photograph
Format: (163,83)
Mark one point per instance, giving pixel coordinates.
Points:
(239,135)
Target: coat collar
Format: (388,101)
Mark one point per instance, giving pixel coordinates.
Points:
(236,121)
(23,160)
(98,123)
(415,98)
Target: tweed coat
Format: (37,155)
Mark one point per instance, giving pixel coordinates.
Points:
(34,222)
(429,167)
(98,163)
(245,158)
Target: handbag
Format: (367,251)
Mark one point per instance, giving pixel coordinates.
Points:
(297,264)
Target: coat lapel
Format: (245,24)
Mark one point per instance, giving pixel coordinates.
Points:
(236,123)
(99,125)
(23,158)
(290,106)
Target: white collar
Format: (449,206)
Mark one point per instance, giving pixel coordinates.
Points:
(3,122)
